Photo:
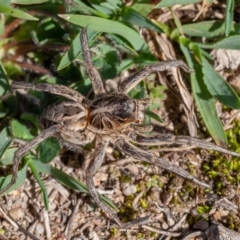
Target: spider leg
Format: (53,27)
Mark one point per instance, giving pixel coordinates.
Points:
(138,153)
(51,88)
(93,167)
(171,139)
(129,83)
(24,149)
(95,164)
(91,70)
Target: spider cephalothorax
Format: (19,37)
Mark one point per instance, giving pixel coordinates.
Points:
(115,112)
(109,118)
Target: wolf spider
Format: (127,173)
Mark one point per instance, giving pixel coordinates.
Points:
(109,118)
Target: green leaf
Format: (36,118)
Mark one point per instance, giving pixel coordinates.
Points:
(5,141)
(171,3)
(28,2)
(153,115)
(19,130)
(106,25)
(143,8)
(21,176)
(83,8)
(113,5)
(232,42)
(229,16)
(203,98)
(41,184)
(218,87)
(207,29)
(15,12)
(49,149)
(135,18)
(8,155)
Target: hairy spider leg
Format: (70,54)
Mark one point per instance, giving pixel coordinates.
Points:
(91,70)
(50,132)
(171,139)
(129,83)
(93,167)
(51,88)
(138,153)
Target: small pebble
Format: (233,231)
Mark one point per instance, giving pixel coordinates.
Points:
(16,213)
(39,228)
(128,189)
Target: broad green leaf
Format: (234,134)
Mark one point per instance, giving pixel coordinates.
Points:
(15,12)
(19,130)
(5,141)
(153,115)
(21,176)
(67,180)
(49,149)
(41,184)
(170,3)
(28,2)
(229,16)
(218,87)
(203,98)
(135,18)
(8,155)
(106,25)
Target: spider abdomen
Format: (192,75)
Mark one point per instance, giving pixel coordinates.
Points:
(68,113)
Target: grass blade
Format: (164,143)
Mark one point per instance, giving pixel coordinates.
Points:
(135,18)
(204,99)
(15,12)
(229,16)
(40,182)
(218,87)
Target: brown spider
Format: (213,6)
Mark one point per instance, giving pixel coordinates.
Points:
(110,118)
